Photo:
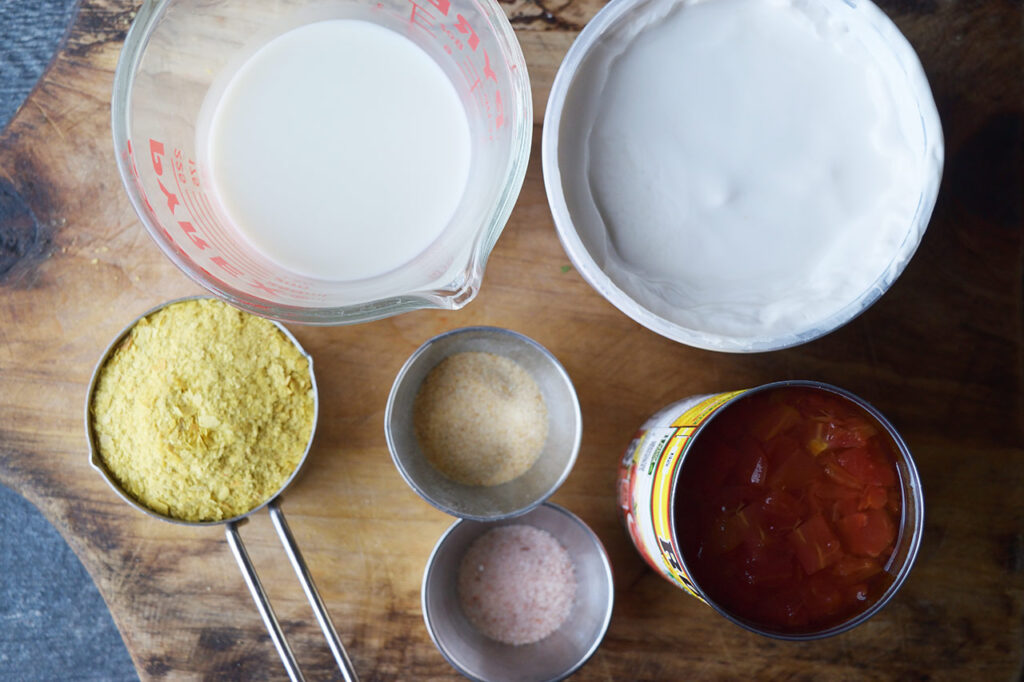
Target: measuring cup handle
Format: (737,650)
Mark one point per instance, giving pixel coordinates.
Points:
(262,603)
(306,580)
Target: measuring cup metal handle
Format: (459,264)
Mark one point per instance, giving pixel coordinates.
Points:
(306,580)
(262,603)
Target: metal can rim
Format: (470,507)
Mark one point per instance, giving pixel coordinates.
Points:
(916,498)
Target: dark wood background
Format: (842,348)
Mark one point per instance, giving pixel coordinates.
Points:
(941,355)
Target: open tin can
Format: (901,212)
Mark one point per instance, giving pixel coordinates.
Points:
(660,495)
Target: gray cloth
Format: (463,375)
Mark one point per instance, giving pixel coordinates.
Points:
(53,622)
(30,31)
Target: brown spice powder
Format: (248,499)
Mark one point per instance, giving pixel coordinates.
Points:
(480,418)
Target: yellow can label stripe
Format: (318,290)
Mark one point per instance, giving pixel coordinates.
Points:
(664,478)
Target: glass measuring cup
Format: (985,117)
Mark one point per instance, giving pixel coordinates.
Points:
(179,51)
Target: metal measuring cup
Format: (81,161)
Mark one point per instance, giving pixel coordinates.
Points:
(232,525)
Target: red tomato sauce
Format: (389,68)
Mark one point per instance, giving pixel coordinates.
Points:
(788,508)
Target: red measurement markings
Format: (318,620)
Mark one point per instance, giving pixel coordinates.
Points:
(280,285)
(192,227)
(203,240)
(263,287)
(193,172)
(215,234)
(460,35)
(211,222)
(499,118)
(485,106)
(205,218)
(223,265)
(138,180)
(420,16)
(258,267)
(493,110)
(203,206)
(470,73)
(464,28)
(298,291)
(227,260)
(462,24)
(429,34)
(228,247)
(157,157)
(489,74)
(488,71)
(452,37)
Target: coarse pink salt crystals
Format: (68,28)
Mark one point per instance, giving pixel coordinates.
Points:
(516,584)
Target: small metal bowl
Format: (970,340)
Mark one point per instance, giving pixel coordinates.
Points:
(557,656)
(486,503)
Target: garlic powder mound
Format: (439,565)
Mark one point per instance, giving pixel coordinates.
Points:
(480,418)
(203,411)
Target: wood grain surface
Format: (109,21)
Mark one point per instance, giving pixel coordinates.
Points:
(940,354)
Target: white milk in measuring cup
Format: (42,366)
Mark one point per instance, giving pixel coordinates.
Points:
(340,150)
(324,162)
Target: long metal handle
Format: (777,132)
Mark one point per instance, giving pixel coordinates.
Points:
(306,580)
(262,603)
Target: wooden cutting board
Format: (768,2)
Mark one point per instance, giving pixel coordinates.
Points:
(940,354)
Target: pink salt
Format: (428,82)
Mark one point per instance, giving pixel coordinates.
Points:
(516,584)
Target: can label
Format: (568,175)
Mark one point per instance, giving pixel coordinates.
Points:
(648,473)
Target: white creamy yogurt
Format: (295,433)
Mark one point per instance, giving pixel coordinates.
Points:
(340,150)
(746,170)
